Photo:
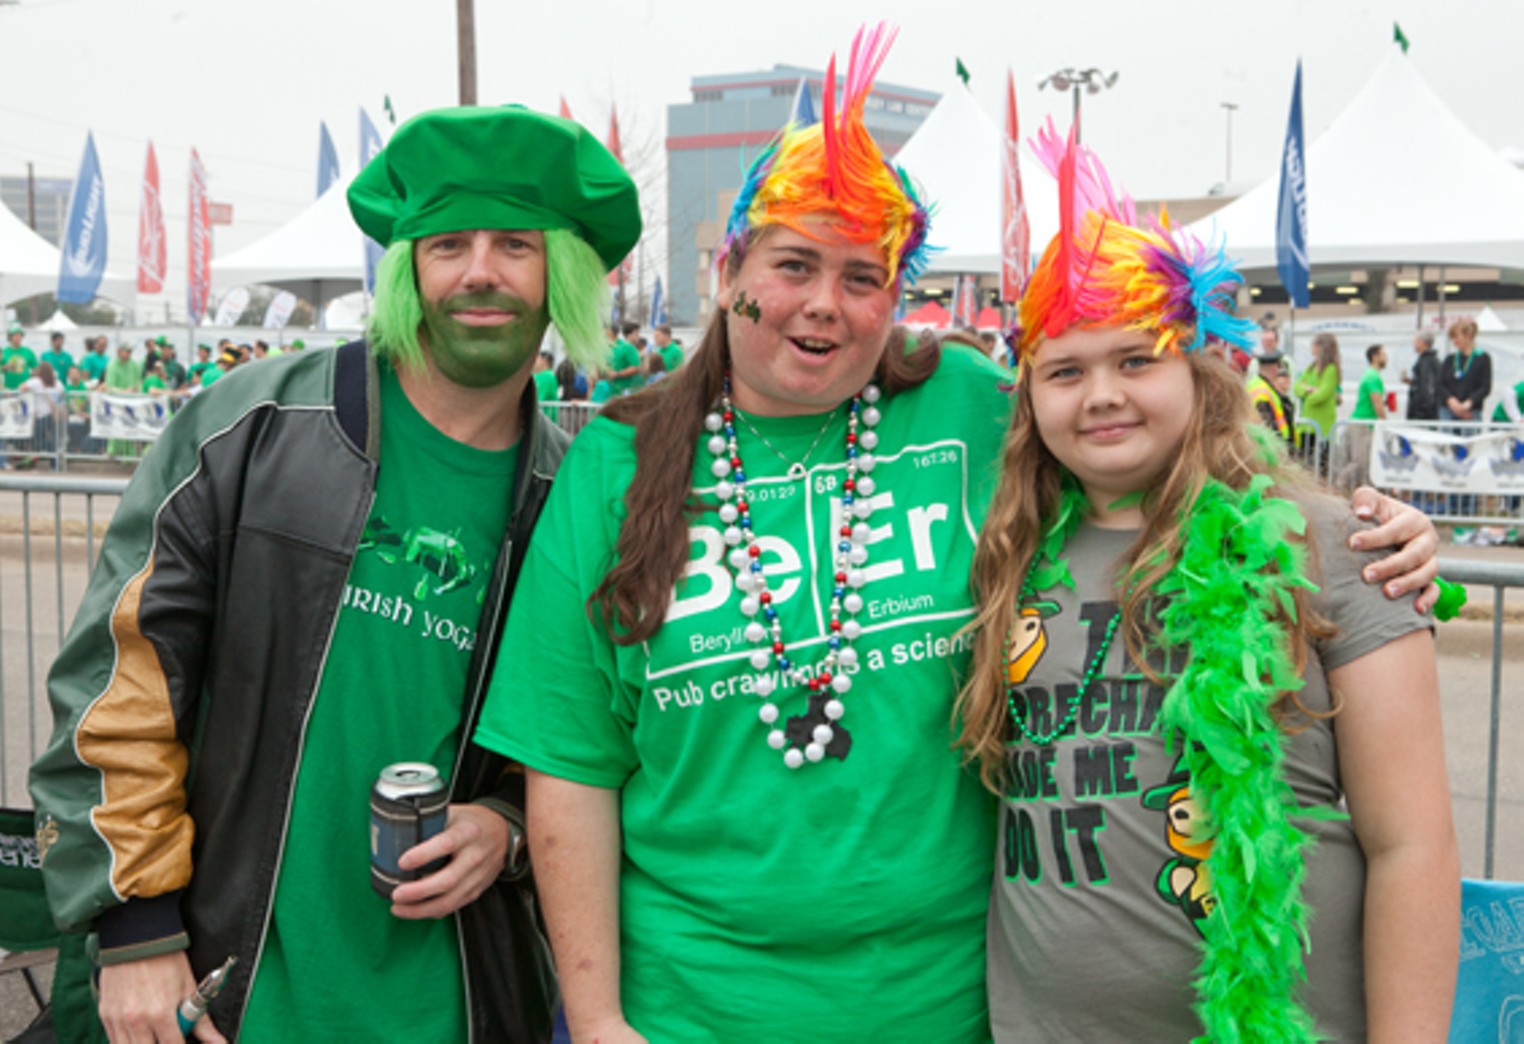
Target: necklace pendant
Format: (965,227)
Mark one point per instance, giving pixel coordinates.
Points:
(796,471)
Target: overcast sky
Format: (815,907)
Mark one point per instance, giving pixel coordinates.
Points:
(247,83)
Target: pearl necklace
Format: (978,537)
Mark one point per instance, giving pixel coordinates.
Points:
(811,736)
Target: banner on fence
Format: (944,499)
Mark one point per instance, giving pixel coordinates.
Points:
(16,416)
(1431,458)
(136,418)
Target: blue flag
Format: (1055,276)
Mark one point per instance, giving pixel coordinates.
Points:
(84,250)
(658,305)
(1291,212)
(370,146)
(804,107)
(328,159)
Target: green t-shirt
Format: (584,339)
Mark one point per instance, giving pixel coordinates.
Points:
(212,375)
(625,355)
(60,361)
(1510,406)
(93,365)
(153,382)
(842,901)
(18,364)
(545,386)
(336,964)
(672,355)
(1370,384)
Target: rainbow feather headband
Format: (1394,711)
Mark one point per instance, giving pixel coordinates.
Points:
(1106,268)
(833,172)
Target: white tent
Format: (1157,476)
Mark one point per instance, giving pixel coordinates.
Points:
(954,158)
(58,322)
(318,255)
(29,264)
(1396,179)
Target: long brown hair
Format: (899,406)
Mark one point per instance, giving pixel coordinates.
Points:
(668,418)
(1217,445)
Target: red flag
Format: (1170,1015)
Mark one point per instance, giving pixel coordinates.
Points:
(1016,235)
(622,273)
(565,109)
(150,230)
(199,283)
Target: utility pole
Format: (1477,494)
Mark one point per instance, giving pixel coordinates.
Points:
(1230,108)
(465,47)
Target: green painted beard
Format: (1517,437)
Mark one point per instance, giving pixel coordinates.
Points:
(482,356)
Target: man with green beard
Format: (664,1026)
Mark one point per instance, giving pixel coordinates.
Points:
(304,584)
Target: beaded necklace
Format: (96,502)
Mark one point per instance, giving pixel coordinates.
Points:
(809,737)
(1071,512)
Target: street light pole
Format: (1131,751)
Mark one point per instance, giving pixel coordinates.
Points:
(465,46)
(1088,81)
(1230,108)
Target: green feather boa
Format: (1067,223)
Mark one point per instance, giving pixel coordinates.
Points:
(1239,568)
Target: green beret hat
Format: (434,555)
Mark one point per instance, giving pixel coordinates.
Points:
(505,167)
(161,340)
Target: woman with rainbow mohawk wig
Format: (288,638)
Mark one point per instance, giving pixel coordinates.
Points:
(747,817)
(1180,684)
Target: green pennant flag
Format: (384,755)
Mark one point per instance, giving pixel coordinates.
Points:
(386,105)
(962,71)
(1401,40)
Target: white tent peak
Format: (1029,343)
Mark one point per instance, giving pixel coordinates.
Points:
(29,264)
(1397,178)
(319,254)
(954,160)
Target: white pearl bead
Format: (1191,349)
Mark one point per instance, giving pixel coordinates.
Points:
(871,393)
(793,759)
(853,603)
(764,685)
(814,751)
(768,713)
(861,532)
(733,535)
(724,490)
(834,709)
(856,578)
(776,739)
(862,508)
(867,440)
(760,659)
(847,658)
(823,734)
(714,422)
(858,555)
(866,486)
(729,513)
(866,462)
(750,606)
(851,629)
(720,467)
(755,632)
(739,559)
(717,444)
(871,416)
(841,683)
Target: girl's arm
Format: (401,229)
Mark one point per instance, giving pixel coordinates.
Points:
(1391,756)
(574,844)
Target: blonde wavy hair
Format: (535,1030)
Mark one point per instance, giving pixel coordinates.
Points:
(1218,444)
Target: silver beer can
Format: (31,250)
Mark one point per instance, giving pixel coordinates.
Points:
(408,805)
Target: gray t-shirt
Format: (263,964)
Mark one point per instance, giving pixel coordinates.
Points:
(1093,916)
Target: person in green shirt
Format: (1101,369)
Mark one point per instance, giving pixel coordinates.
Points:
(1318,390)
(671,351)
(545,386)
(1370,407)
(1510,407)
(124,373)
(174,370)
(17,361)
(624,368)
(93,365)
(347,627)
(56,357)
(202,364)
(1370,400)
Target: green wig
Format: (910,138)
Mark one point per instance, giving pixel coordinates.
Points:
(576,293)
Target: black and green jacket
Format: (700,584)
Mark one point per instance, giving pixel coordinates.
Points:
(182,691)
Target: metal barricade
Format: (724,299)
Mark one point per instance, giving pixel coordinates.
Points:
(49,538)
(571,416)
(1500,576)
(1477,481)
